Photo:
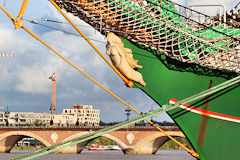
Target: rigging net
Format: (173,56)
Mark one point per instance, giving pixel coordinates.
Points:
(164,26)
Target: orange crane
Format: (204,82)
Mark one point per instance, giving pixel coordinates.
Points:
(53,78)
(1,107)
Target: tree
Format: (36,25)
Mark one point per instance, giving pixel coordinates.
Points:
(103,140)
(37,122)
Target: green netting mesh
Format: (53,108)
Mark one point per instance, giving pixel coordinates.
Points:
(164,26)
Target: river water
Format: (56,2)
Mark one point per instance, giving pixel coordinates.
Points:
(108,155)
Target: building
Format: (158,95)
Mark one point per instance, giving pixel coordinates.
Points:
(23,118)
(28,141)
(78,115)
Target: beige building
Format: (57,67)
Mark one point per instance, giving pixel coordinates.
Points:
(81,114)
(78,115)
(23,118)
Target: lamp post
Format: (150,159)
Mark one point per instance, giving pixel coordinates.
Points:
(127,112)
(151,111)
(77,123)
(51,121)
(7,116)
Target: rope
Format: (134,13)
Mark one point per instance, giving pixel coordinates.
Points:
(106,90)
(35,36)
(27,30)
(127,82)
(55,21)
(33,22)
(95,134)
(65,142)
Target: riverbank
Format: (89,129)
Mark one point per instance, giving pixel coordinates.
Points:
(19,148)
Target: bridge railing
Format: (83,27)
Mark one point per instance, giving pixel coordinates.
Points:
(86,127)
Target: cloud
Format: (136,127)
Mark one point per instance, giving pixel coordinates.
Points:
(34,78)
(24,80)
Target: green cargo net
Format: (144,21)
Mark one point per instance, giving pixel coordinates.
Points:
(164,26)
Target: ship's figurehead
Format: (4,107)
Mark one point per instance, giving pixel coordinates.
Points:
(122,59)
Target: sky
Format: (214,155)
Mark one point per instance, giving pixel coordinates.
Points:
(24,80)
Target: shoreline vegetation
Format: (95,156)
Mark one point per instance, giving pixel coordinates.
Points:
(27,147)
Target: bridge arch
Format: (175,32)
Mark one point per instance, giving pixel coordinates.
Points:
(9,139)
(150,144)
(120,143)
(78,148)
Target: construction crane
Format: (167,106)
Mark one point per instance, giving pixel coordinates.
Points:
(53,78)
(1,107)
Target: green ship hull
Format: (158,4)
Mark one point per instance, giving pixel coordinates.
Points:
(213,139)
(180,57)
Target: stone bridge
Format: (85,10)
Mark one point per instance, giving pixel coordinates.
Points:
(132,140)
